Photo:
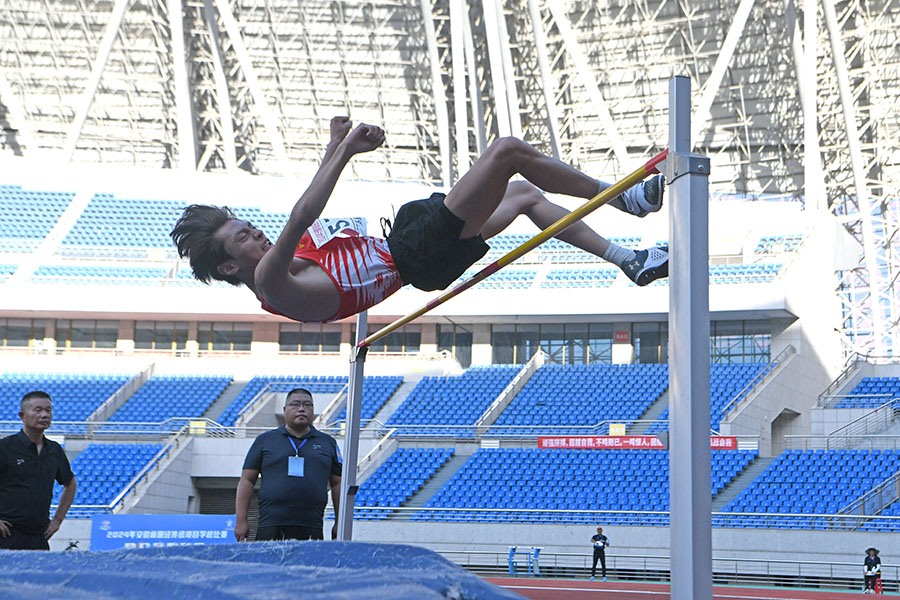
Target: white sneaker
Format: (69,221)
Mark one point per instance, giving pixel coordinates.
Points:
(642,199)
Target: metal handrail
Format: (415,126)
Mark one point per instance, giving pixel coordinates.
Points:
(891,411)
(332,405)
(129,487)
(860,503)
(154,462)
(265,390)
(831,442)
(845,375)
(782,356)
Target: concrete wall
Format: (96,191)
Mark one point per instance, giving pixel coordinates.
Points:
(823,421)
(783,407)
(771,544)
(780,544)
(779,408)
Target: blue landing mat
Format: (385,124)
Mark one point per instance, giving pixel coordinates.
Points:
(278,570)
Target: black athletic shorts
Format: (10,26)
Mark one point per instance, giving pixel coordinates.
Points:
(425,245)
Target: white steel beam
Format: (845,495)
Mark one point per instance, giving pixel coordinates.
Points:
(812,166)
(547,87)
(495,54)
(588,80)
(723,60)
(458,12)
(440,95)
(477,105)
(793,29)
(17,116)
(509,73)
(223,97)
(863,198)
(261,104)
(90,89)
(187,147)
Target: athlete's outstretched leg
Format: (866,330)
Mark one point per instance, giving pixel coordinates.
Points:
(522,198)
(478,194)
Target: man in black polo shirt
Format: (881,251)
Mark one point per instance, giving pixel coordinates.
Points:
(29,463)
(299,464)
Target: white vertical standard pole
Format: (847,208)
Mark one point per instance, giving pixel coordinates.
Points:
(689,459)
(351,431)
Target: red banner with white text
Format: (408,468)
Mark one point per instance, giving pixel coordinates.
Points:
(622,442)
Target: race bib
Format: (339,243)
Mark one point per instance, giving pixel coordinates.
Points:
(323,231)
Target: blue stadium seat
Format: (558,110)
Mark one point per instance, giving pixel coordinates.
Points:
(451,401)
(103,471)
(871,392)
(395,481)
(567,480)
(725,382)
(27,216)
(559,395)
(815,482)
(75,396)
(164,397)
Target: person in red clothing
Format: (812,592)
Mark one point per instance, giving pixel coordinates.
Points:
(431,243)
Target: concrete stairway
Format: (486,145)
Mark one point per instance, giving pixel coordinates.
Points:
(651,414)
(393,403)
(737,485)
(224,400)
(432,486)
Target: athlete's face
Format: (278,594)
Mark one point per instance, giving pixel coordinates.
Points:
(245,244)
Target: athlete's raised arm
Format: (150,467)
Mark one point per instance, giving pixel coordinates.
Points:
(340,127)
(276,264)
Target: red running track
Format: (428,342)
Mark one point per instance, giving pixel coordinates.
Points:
(563,589)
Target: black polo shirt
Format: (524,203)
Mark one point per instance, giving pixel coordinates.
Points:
(287,500)
(26,481)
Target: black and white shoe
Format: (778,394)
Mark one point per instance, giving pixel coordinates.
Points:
(642,199)
(648,265)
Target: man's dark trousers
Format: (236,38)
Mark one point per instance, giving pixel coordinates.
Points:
(21,540)
(599,554)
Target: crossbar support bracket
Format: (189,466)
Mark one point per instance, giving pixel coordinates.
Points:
(679,164)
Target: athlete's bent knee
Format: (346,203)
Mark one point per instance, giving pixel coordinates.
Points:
(509,148)
(525,195)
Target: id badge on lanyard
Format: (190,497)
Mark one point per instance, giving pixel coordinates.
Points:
(295,463)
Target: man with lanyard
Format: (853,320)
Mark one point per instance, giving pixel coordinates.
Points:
(298,464)
(600,543)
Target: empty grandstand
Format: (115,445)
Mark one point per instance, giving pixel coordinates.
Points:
(116,115)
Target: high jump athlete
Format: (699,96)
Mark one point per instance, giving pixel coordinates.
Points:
(432,242)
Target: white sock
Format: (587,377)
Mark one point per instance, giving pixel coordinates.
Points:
(618,255)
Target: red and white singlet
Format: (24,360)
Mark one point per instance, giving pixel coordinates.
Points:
(361,268)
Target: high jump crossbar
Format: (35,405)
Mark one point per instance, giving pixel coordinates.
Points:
(635,177)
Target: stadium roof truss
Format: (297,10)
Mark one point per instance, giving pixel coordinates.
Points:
(250,85)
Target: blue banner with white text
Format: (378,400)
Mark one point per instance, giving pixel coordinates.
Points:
(111,532)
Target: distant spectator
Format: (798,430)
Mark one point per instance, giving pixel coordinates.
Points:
(872,570)
(29,463)
(299,464)
(600,542)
